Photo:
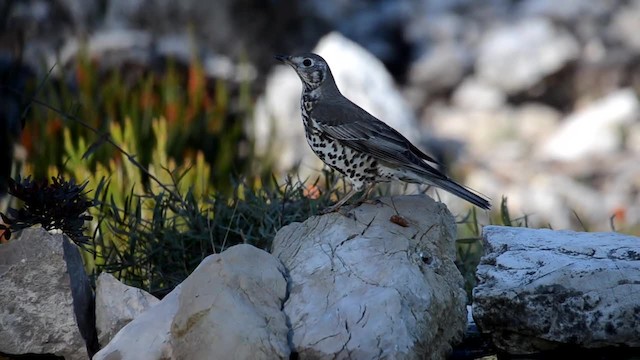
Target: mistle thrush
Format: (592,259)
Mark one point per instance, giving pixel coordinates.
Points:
(355,143)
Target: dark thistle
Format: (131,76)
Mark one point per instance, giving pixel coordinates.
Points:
(60,204)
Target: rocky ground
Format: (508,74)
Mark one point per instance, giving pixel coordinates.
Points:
(535,100)
(376,281)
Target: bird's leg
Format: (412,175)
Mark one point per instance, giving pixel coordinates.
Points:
(365,198)
(337,205)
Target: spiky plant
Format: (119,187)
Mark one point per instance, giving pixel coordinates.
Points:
(60,205)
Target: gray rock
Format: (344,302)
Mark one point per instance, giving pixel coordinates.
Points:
(516,57)
(567,11)
(440,68)
(594,130)
(484,126)
(277,125)
(625,26)
(36,302)
(362,286)
(535,122)
(82,294)
(480,130)
(119,14)
(540,289)
(111,47)
(117,305)
(148,336)
(633,138)
(229,307)
(178,46)
(477,95)
(427,28)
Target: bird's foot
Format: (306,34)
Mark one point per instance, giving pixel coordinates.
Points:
(375,201)
(328,210)
(348,207)
(344,210)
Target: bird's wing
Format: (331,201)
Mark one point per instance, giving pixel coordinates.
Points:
(356,128)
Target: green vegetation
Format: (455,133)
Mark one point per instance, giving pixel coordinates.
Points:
(157,252)
(157,151)
(201,118)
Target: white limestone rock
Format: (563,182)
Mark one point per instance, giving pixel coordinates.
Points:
(624,26)
(493,133)
(148,336)
(473,94)
(36,304)
(229,307)
(594,130)
(117,305)
(112,47)
(440,68)
(516,57)
(363,286)
(568,11)
(539,289)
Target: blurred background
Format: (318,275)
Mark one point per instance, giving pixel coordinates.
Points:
(532,100)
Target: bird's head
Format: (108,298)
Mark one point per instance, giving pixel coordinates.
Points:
(311,68)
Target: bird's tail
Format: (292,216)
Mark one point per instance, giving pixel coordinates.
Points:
(461,192)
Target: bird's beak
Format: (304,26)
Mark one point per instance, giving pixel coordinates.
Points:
(284,58)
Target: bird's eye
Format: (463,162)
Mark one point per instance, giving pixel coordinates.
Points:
(307,62)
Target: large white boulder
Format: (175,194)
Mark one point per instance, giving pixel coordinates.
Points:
(231,308)
(378,283)
(596,130)
(516,57)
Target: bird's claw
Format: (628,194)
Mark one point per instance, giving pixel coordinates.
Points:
(342,210)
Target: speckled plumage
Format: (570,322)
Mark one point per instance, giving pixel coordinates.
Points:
(353,142)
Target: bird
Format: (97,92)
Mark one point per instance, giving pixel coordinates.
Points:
(356,144)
